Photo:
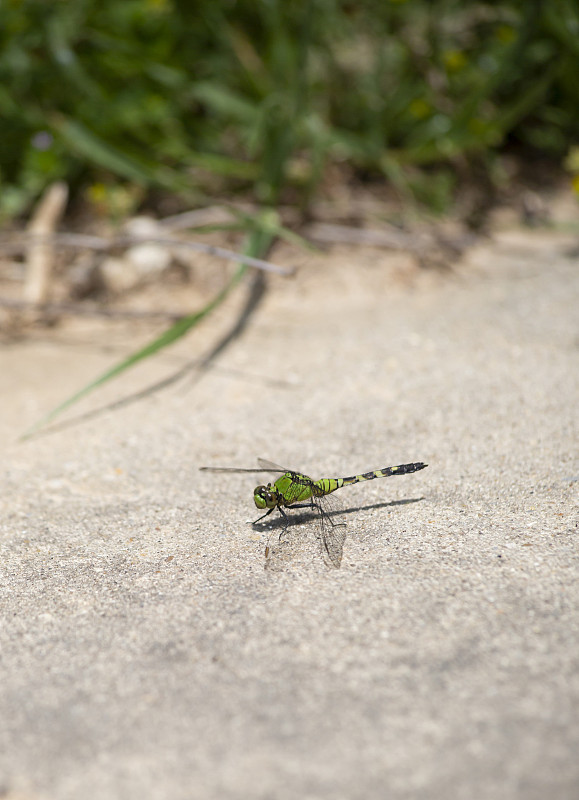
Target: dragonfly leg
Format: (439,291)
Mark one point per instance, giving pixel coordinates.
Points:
(286,522)
(267,513)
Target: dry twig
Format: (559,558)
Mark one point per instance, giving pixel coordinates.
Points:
(40,247)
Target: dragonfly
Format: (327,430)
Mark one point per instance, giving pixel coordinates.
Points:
(295,490)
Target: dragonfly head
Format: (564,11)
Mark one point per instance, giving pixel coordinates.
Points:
(264,497)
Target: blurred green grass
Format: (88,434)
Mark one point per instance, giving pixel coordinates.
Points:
(259,96)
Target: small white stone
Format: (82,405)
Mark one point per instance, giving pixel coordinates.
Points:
(118,274)
(149,259)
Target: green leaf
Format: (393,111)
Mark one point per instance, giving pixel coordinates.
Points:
(105,155)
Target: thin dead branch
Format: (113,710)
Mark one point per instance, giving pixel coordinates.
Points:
(16,243)
(40,243)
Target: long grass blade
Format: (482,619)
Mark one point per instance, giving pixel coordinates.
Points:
(171,335)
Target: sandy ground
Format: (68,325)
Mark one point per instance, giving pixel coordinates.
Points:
(148,649)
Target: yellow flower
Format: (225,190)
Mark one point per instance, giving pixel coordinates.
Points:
(97,193)
(506,34)
(419,108)
(159,5)
(454,60)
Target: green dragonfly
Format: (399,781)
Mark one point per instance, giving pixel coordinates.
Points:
(296,490)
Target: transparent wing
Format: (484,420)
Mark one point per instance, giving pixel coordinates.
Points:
(269,466)
(332,540)
(231,469)
(331,535)
(264,466)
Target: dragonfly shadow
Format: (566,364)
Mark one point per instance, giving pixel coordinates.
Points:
(285,523)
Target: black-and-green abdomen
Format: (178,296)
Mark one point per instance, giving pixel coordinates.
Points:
(328,485)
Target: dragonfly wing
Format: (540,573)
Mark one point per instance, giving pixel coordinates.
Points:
(332,538)
(331,535)
(232,469)
(264,466)
(269,466)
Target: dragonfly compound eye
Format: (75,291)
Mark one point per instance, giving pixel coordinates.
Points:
(263,498)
